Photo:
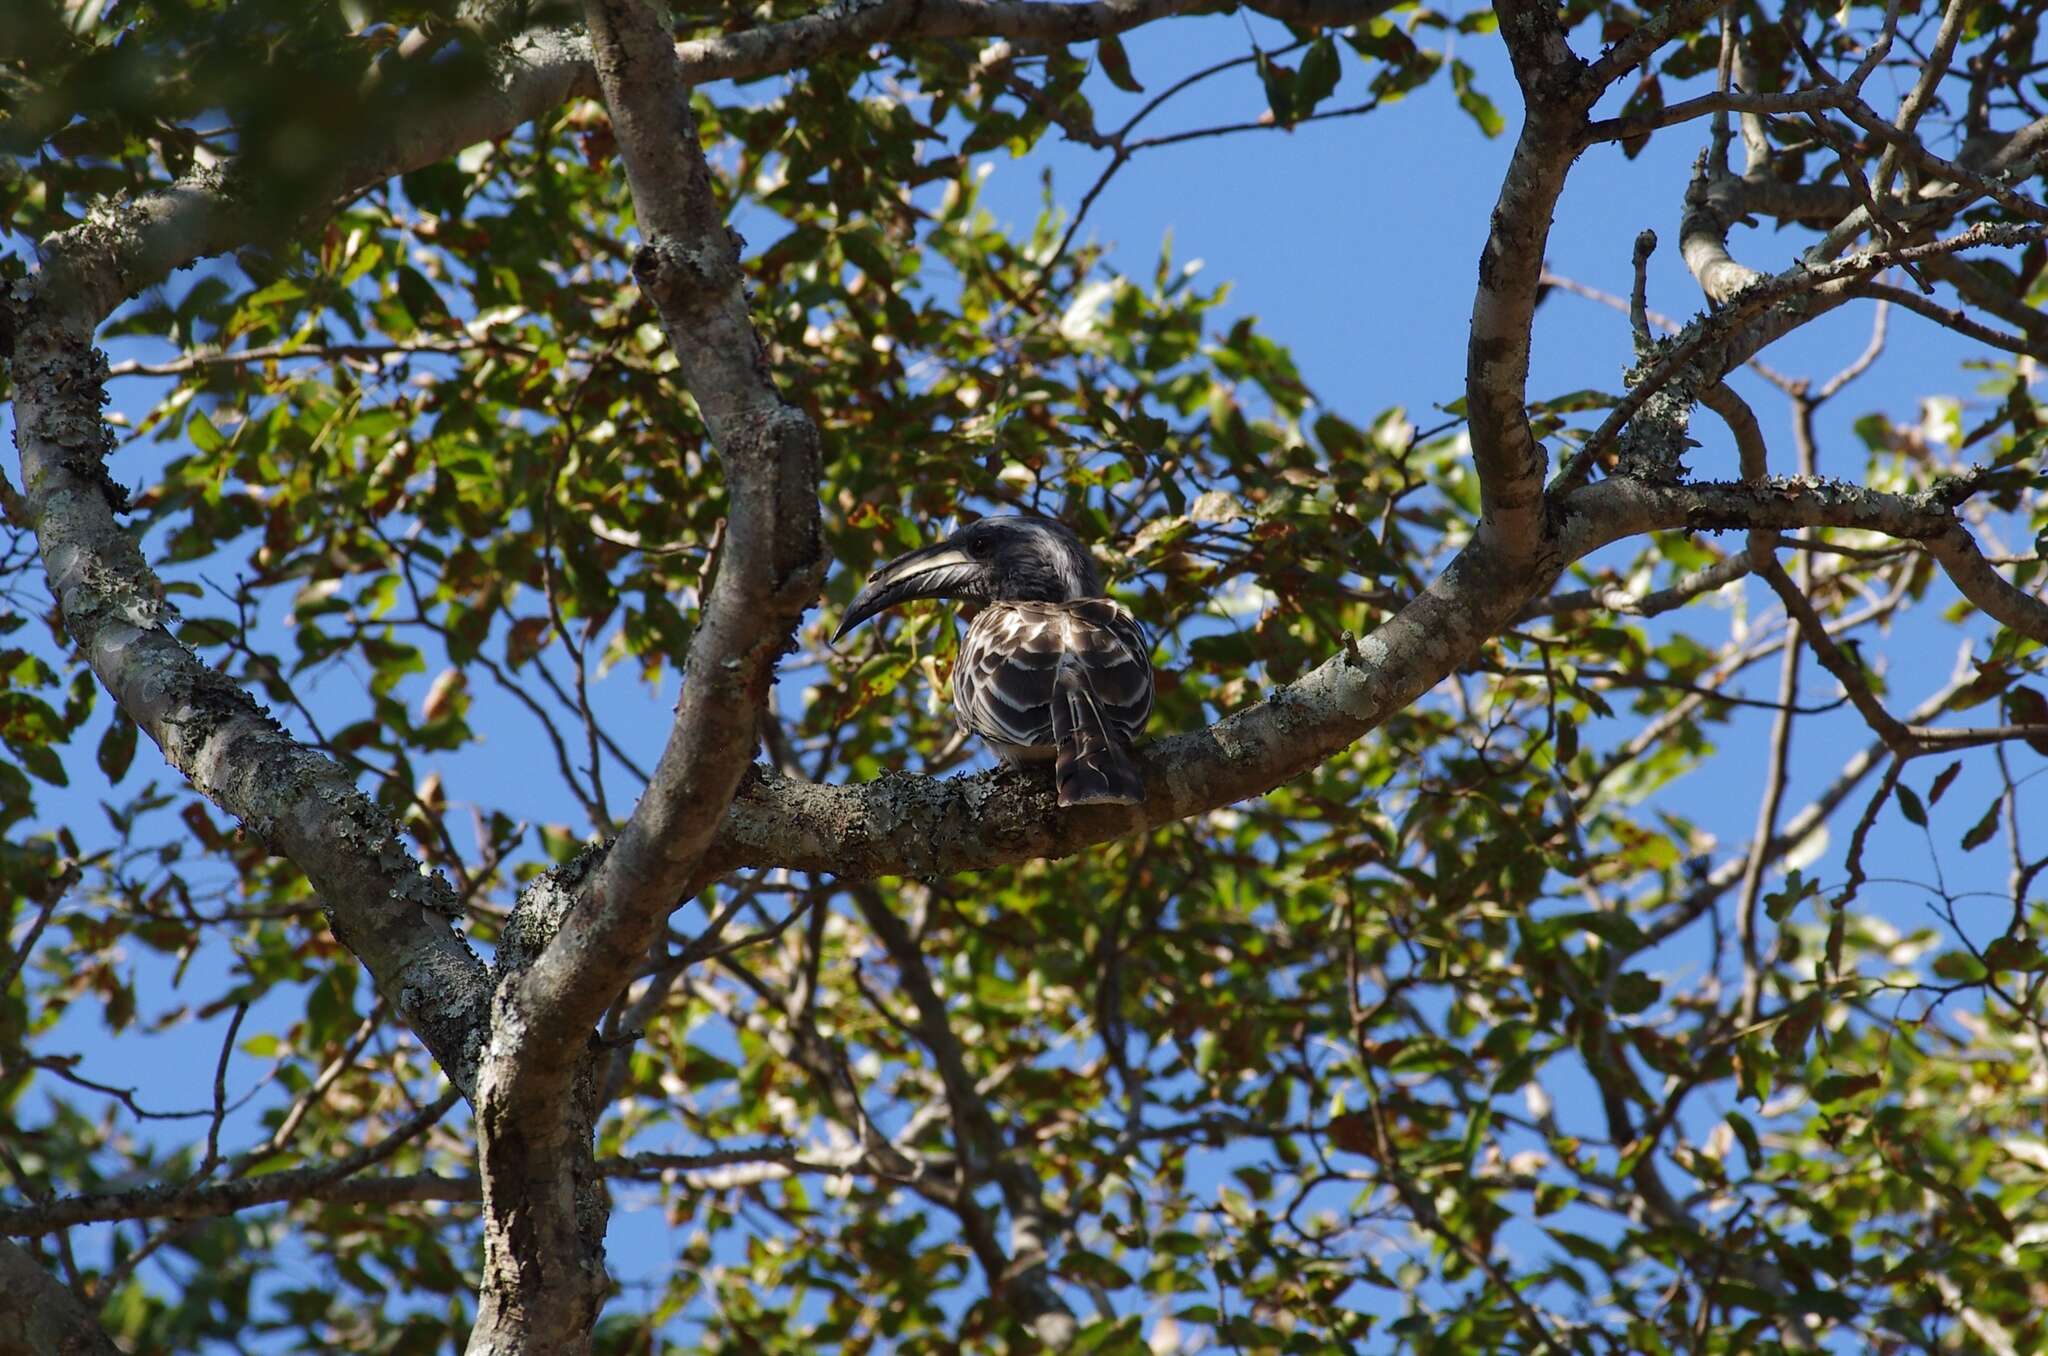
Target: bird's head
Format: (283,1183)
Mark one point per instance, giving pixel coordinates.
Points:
(1009,559)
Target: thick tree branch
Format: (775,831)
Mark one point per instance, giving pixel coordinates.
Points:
(39,1317)
(772,561)
(1598,514)
(1992,592)
(908,825)
(1510,461)
(902,824)
(1711,208)
(850,27)
(544,1208)
(299,803)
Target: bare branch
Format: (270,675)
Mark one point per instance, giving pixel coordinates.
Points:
(1024,1280)
(1846,670)
(1979,289)
(50,894)
(1915,104)
(1700,106)
(1834,385)
(186,1200)
(1657,30)
(1710,209)
(1650,603)
(2034,346)
(1776,768)
(1993,594)
(1758,312)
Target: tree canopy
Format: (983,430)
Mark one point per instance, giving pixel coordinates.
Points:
(516,372)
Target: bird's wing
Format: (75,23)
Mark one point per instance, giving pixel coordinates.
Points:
(1117,658)
(1091,762)
(1009,662)
(1003,678)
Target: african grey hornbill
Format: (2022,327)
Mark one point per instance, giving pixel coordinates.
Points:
(1049,669)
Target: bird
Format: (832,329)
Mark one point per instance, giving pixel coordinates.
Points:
(1049,669)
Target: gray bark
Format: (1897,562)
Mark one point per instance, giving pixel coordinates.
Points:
(39,1317)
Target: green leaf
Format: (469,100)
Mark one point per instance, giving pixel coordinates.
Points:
(1476,105)
(1567,739)
(42,761)
(1320,70)
(1841,1087)
(1941,782)
(1957,967)
(2014,953)
(1746,1134)
(2026,706)
(1087,1268)
(1279,83)
(1910,806)
(117,747)
(1980,833)
(1795,1026)
(203,434)
(422,302)
(1634,991)
(1116,64)
(1780,902)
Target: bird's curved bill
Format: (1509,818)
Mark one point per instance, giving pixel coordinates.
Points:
(940,571)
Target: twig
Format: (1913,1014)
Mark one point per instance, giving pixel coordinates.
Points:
(1755,300)
(52,894)
(1777,768)
(1846,671)
(220,1095)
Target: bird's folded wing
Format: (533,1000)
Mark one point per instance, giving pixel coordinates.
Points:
(1009,661)
(1118,661)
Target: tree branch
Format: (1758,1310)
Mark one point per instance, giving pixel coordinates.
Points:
(540,1080)
(299,803)
(189,1200)
(1758,311)
(1510,461)
(1993,594)
(908,825)
(1023,1279)
(39,1317)
(851,25)
(1650,603)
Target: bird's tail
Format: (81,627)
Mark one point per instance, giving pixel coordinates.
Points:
(1091,767)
